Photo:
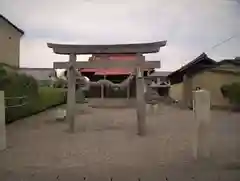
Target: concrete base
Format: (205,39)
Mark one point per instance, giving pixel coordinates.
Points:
(60,114)
(152,108)
(2,122)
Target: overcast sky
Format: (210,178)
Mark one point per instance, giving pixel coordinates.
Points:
(189,26)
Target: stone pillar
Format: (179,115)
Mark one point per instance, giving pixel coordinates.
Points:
(202,113)
(141,105)
(2,122)
(71,95)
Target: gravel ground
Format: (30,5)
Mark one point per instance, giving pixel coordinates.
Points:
(106,145)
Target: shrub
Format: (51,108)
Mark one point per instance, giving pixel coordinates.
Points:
(15,84)
(3,78)
(20,85)
(232,92)
(47,98)
(60,83)
(224,90)
(50,97)
(45,83)
(3,72)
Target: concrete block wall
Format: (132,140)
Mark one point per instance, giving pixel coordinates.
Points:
(2,122)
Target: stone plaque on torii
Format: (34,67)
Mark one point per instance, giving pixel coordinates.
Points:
(139,65)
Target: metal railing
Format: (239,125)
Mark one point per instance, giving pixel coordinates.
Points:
(22,101)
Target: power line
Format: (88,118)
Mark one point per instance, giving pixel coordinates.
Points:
(223,42)
(220,43)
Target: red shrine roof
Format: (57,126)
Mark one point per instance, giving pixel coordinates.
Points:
(112,71)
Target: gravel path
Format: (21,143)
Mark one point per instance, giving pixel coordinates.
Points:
(106,145)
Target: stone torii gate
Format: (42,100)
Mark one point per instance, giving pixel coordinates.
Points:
(139,64)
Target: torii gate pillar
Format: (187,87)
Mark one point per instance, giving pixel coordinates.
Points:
(71,93)
(141,104)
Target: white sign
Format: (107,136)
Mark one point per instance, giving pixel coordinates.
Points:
(139,72)
(145,88)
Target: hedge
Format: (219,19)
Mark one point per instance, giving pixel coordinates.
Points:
(35,99)
(47,98)
(44,83)
(232,92)
(14,84)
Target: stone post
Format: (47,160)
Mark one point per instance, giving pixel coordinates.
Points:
(71,95)
(2,122)
(202,113)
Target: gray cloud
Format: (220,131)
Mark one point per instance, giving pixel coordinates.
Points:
(190,26)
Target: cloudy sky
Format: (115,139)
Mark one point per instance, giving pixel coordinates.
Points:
(189,26)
